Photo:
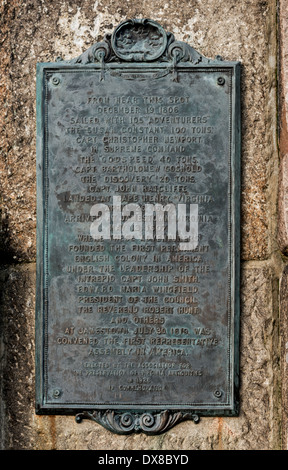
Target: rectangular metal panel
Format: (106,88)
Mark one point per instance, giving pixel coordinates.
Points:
(129,321)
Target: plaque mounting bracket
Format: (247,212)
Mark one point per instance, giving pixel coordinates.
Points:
(157,45)
(129,422)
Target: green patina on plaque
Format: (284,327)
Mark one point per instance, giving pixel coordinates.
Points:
(138,164)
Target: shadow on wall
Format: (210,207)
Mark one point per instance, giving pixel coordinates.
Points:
(17,306)
(8,253)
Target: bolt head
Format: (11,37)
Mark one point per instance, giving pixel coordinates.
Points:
(220,81)
(56,393)
(55,80)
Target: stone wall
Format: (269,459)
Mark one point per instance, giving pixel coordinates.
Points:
(41,30)
(283,207)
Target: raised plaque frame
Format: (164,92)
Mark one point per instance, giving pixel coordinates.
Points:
(161,57)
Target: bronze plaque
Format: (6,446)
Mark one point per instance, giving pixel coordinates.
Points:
(138,163)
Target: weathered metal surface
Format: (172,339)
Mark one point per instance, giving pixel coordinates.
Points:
(138,329)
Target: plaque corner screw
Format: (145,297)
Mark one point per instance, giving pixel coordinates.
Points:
(56,393)
(217,393)
(55,81)
(220,81)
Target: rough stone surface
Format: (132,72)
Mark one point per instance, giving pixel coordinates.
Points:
(39,31)
(283,204)
(257,427)
(284,352)
(283,129)
(17,287)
